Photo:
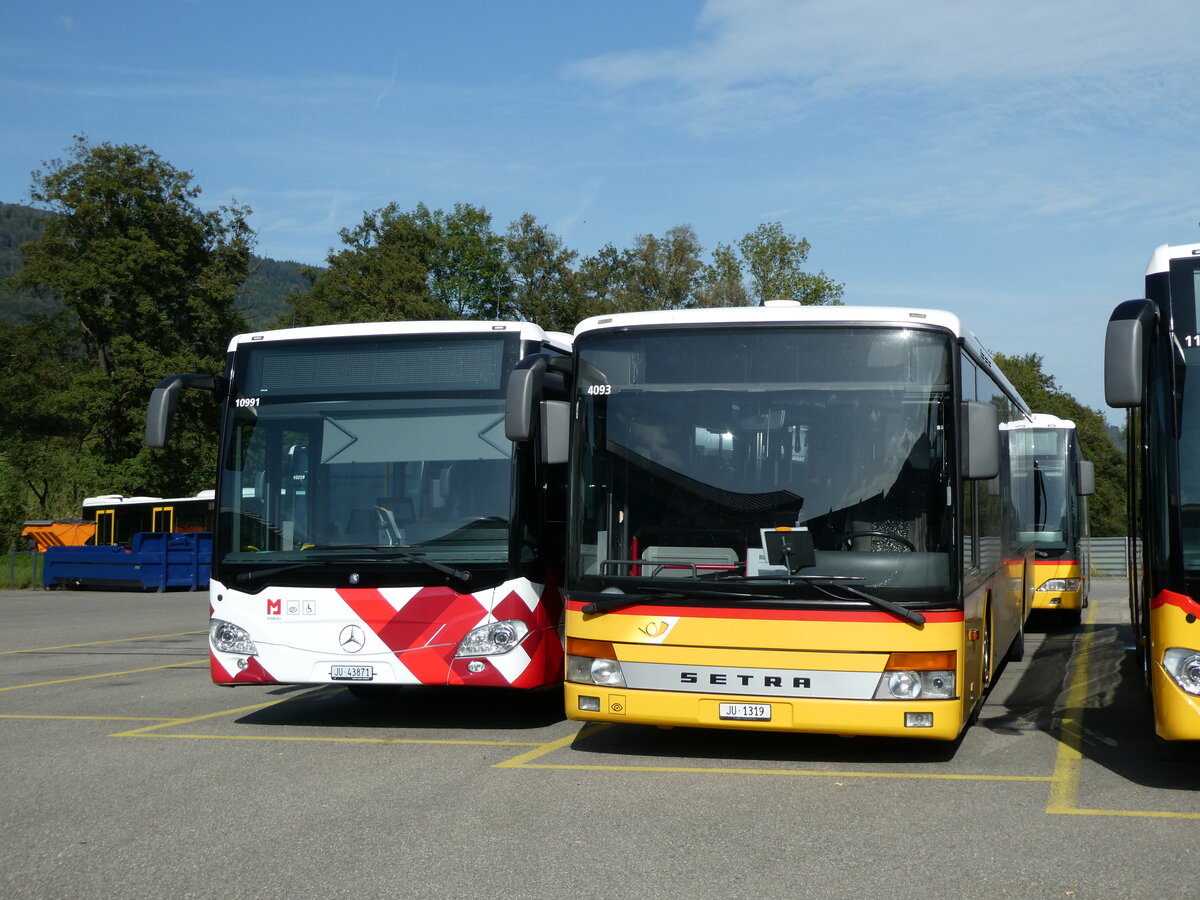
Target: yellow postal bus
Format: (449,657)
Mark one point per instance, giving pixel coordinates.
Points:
(1057,520)
(785,517)
(1152,347)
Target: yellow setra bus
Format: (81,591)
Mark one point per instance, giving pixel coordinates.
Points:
(787,518)
(1058,519)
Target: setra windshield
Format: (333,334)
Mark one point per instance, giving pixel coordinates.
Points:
(388,455)
(691,442)
(1054,497)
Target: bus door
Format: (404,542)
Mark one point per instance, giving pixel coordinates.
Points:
(162,518)
(106,527)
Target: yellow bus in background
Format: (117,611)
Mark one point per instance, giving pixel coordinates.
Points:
(1057,520)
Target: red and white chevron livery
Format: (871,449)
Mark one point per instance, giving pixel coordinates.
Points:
(396,635)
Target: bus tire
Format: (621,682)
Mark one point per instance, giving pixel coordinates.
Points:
(1016,650)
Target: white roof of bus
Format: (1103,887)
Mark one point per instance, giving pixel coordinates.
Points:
(777,312)
(1160,259)
(119,499)
(1040,420)
(789,311)
(527,331)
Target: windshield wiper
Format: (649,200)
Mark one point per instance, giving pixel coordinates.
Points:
(600,602)
(909,615)
(381,553)
(603,601)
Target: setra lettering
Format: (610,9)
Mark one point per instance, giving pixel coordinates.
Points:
(747,680)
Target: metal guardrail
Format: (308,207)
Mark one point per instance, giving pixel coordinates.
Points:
(1108,556)
(35,564)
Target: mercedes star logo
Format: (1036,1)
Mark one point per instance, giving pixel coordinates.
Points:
(352,639)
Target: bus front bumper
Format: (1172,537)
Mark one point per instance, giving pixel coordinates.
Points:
(930,719)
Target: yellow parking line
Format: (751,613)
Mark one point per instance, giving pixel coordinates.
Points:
(156,730)
(1064,789)
(18,687)
(87,718)
(187,720)
(462,742)
(522,761)
(124,640)
(1064,792)
(709,770)
(525,761)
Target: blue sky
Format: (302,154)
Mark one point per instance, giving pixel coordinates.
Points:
(1014,163)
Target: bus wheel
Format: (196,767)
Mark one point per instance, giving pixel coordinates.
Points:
(1016,650)
(984,670)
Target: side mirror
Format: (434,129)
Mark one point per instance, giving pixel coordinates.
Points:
(524,385)
(980,440)
(556,431)
(165,398)
(1125,345)
(1087,478)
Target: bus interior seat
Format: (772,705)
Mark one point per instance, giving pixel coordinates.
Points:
(401,508)
(678,561)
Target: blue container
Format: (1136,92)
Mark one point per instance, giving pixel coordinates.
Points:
(156,561)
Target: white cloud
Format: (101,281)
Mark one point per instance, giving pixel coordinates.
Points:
(845,44)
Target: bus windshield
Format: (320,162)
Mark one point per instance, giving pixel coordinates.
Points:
(1052,521)
(1187,316)
(692,442)
(406,458)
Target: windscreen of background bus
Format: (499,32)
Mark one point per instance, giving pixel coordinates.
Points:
(337,448)
(691,442)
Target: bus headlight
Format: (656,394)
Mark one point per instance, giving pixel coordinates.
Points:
(493,639)
(593,662)
(590,670)
(924,675)
(1060,584)
(230,638)
(1183,665)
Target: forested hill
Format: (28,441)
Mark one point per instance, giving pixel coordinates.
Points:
(263,297)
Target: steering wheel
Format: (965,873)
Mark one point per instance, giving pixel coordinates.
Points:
(908,545)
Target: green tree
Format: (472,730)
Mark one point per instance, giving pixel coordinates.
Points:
(381,274)
(545,289)
(44,467)
(655,273)
(665,271)
(1106,508)
(150,279)
(721,282)
(468,273)
(773,260)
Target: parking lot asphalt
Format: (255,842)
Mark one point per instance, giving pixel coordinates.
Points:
(128,774)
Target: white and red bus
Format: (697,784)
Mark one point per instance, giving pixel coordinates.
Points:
(374,524)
